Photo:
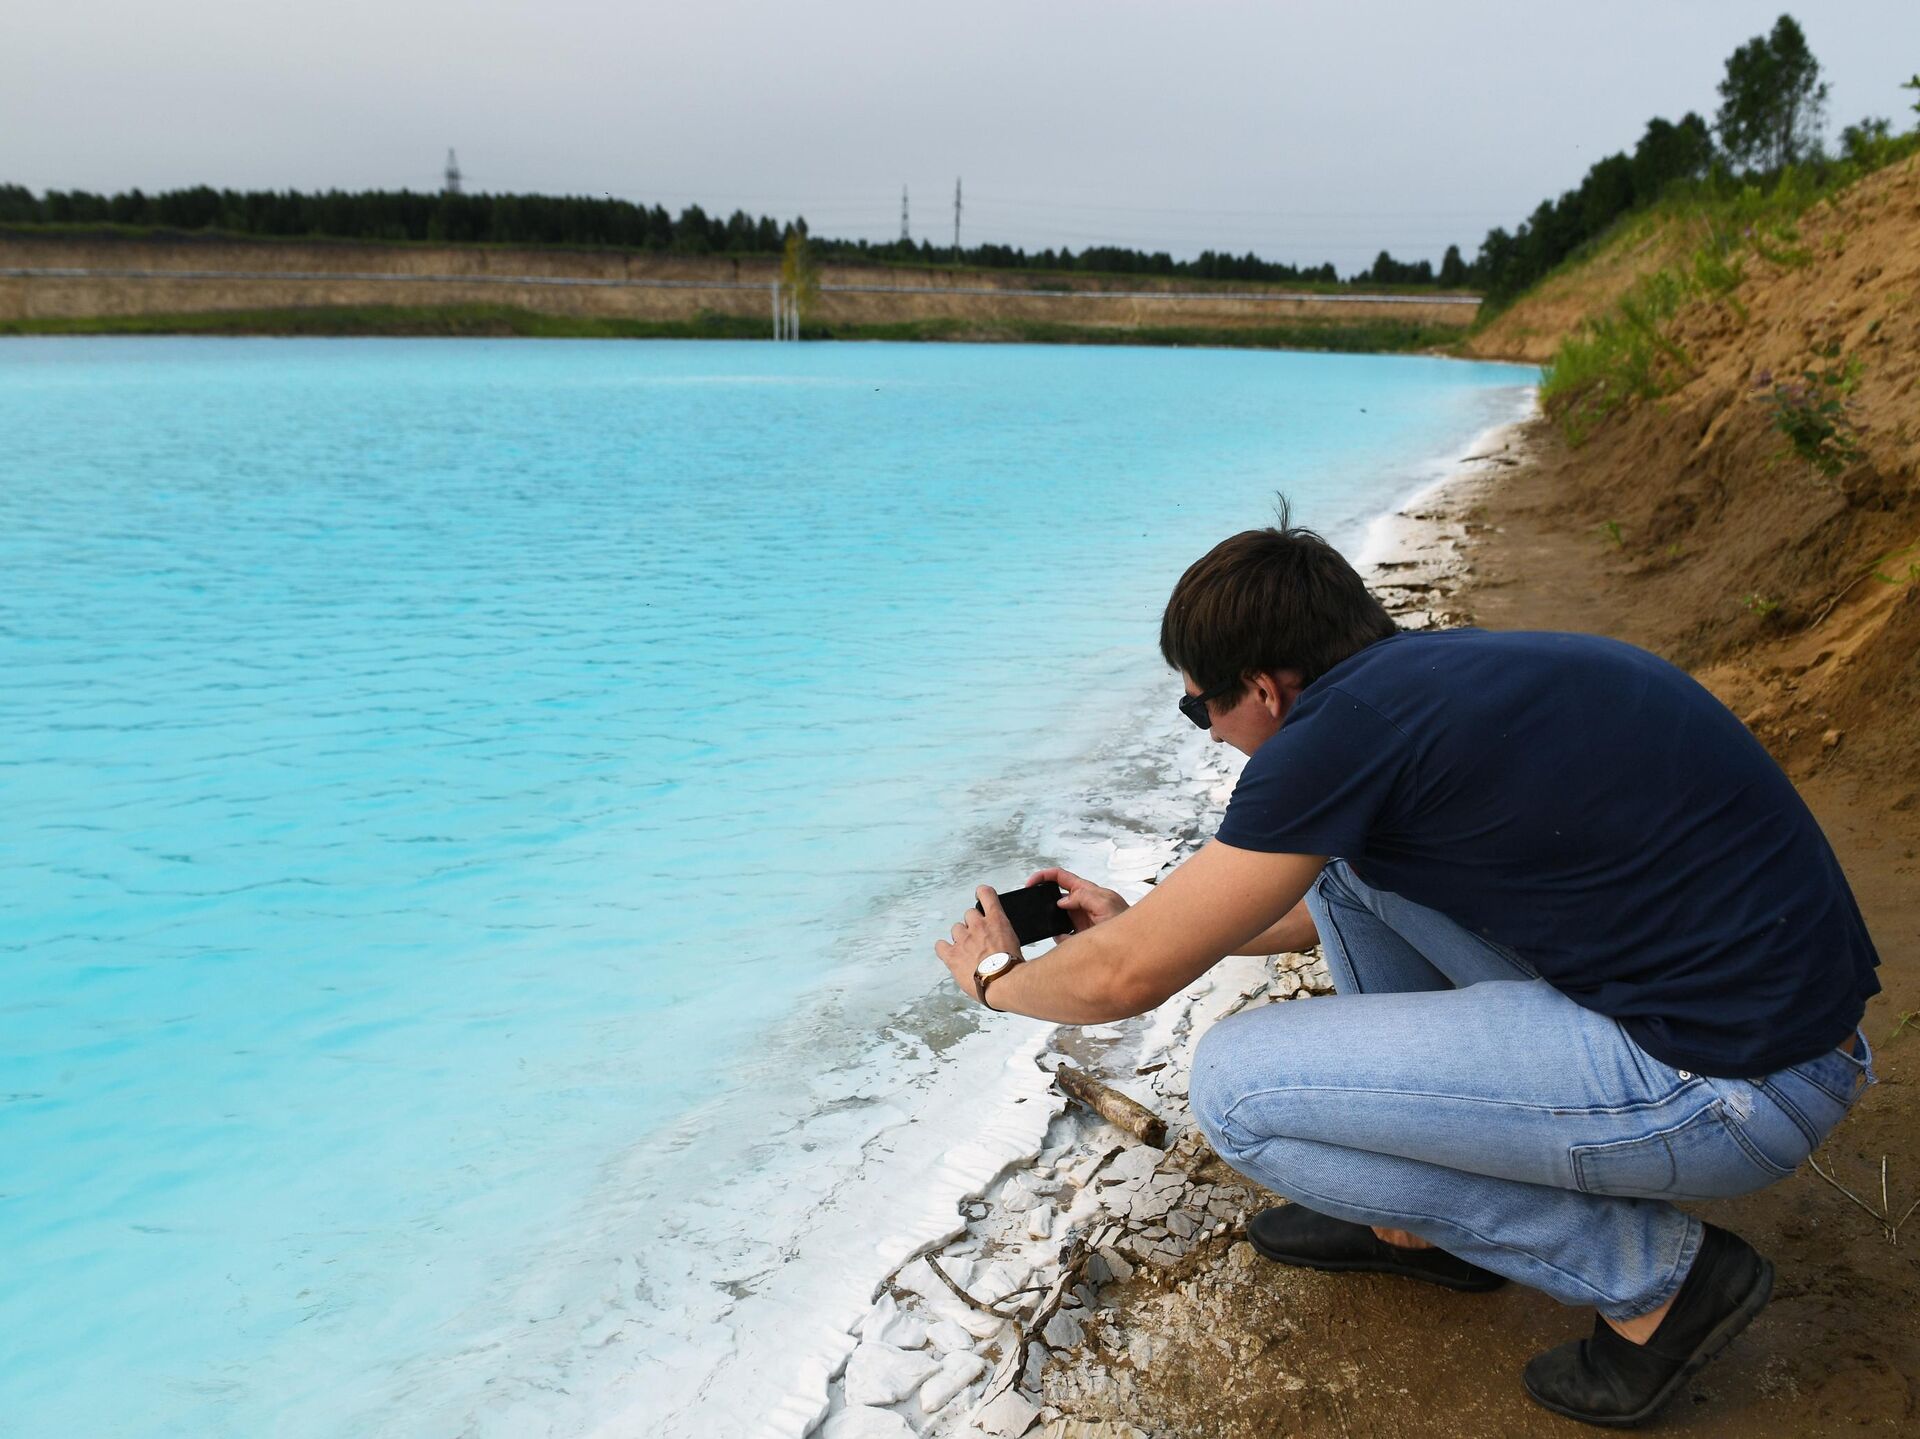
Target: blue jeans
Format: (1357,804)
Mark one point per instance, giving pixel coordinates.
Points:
(1447,1091)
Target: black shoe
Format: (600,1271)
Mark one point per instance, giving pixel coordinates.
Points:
(1295,1234)
(1612,1381)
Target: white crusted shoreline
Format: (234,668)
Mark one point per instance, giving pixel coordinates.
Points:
(964,1351)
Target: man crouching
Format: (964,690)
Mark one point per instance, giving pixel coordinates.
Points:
(1592,955)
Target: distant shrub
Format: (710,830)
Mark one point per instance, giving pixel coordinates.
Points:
(1718,269)
(1623,355)
(1863,142)
(1779,244)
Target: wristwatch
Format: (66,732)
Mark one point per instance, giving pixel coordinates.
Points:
(990,969)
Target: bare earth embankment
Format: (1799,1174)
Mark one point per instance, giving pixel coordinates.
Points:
(1688,524)
(1532,328)
(51,281)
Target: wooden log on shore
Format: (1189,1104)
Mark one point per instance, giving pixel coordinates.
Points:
(1113,1106)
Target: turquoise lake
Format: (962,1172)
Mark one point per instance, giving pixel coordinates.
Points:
(428,767)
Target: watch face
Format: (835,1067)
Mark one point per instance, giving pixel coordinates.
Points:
(993,964)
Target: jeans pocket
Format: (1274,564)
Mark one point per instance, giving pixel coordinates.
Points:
(1702,1157)
(1841,1076)
(1794,1110)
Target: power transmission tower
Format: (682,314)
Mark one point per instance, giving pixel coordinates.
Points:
(452,185)
(956,220)
(906,236)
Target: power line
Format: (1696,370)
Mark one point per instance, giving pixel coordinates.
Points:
(452,183)
(841,207)
(956,220)
(906,235)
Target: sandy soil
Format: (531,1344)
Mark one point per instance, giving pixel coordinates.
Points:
(1531,328)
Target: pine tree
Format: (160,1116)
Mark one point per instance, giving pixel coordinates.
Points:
(1669,152)
(1772,100)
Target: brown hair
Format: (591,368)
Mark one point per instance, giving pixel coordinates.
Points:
(1264,600)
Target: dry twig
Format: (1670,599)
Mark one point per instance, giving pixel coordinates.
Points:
(1832,601)
(1884,1214)
(961,1294)
(1113,1106)
(1029,1329)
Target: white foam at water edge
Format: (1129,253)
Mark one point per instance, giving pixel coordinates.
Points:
(767,1220)
(960,1120)
(898,1200)
(1389,533)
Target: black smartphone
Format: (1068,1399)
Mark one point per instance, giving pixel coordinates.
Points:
(1035,912)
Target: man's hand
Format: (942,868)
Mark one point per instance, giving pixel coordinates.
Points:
(977,936)
(1131,958)
(1085,902)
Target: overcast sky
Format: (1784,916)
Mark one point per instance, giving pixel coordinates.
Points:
(1304,132)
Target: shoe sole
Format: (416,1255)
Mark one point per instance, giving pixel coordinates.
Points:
(1366,1266)
(1718,1338)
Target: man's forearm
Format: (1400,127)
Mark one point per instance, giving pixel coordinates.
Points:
(1132,961)
(1076,982)
(1291,935)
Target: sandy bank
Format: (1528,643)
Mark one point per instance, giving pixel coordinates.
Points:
(49,276)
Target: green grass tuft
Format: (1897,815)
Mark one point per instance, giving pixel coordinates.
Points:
(1625,354)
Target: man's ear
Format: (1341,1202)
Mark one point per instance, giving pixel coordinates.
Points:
(1278,689)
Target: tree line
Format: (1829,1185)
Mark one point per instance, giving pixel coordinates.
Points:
(1771,116)
(408,215)
(1095,259)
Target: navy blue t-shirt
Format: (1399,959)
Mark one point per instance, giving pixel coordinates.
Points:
(1595,810)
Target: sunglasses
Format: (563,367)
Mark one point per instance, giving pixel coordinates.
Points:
(1194,707)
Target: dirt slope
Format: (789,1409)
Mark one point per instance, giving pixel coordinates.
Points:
(1793,593)
(1531,328)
